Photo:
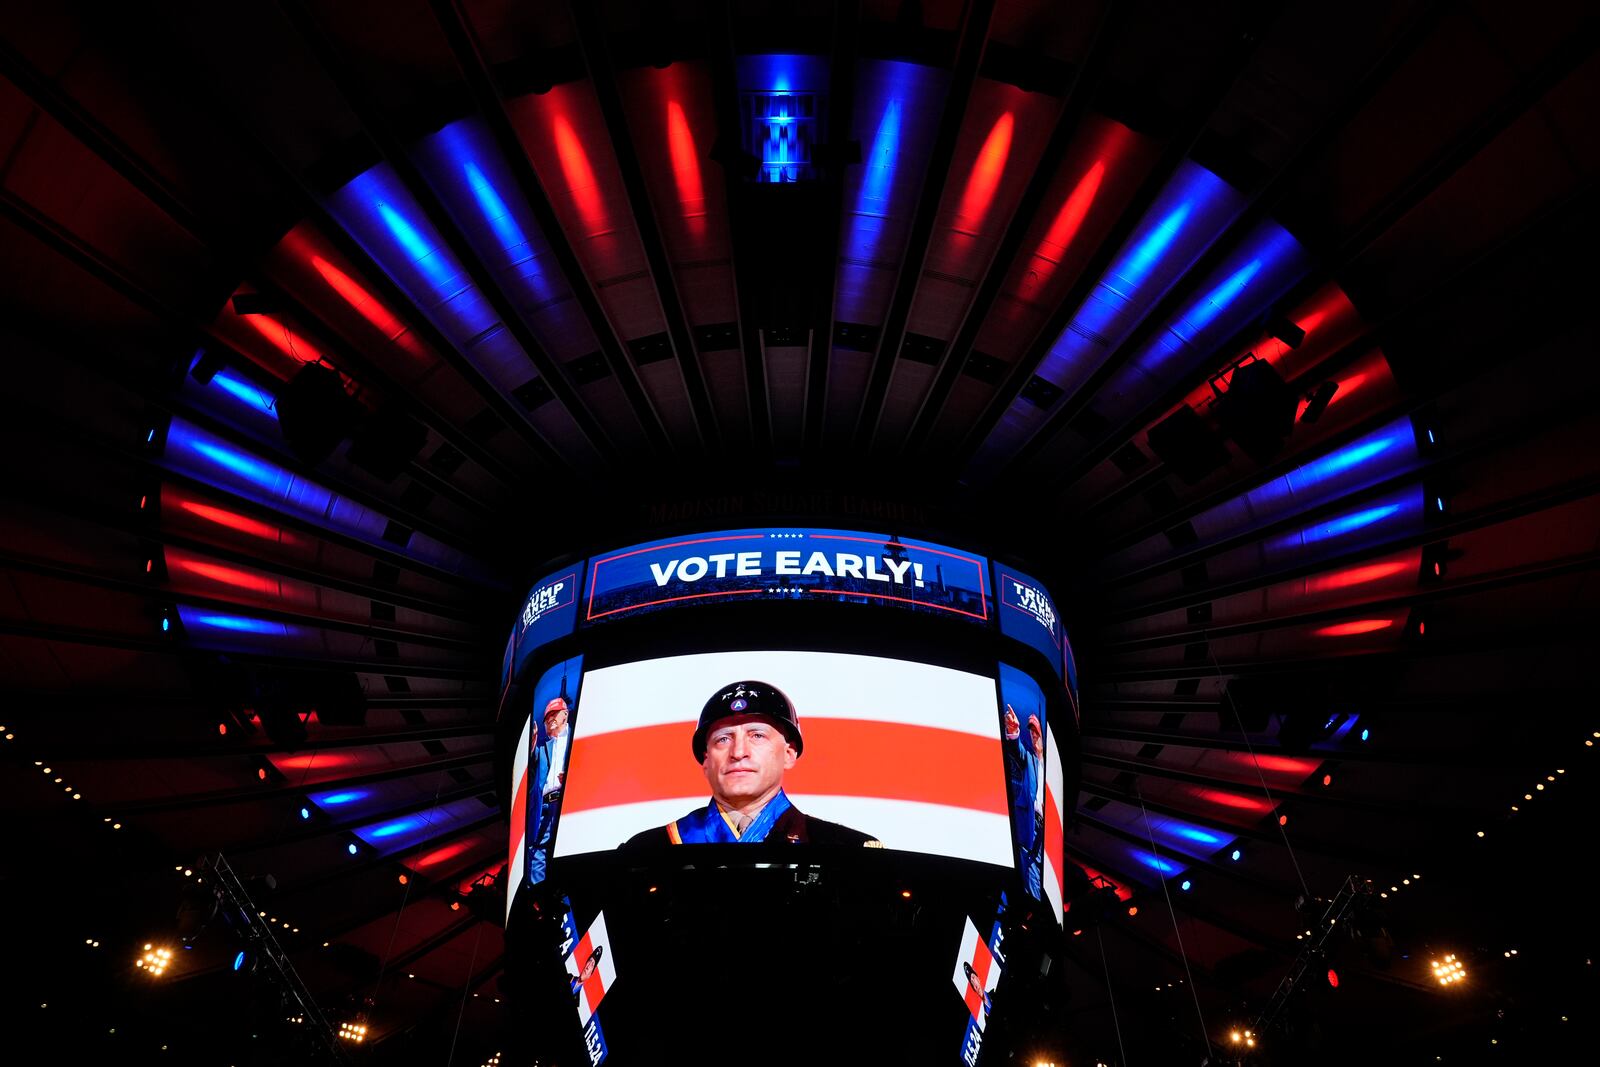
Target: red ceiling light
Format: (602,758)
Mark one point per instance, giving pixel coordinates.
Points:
(1356,576)
(261,773)
(1327,779)
(222,728)
(580,177)
(978,196)
(1355,627)
(1064,227)
(685,165)
(1333,978)
(232,520)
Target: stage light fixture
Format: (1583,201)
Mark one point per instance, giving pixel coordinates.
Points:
(1234,855)
(353,1031)
(352,848)
(1449,970)
(1317,401)
(155,960)
(314,411)
(1185,884)
(305,813)
(1258,408)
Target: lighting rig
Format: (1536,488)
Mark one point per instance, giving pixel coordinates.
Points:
(242,915)
(1354,896)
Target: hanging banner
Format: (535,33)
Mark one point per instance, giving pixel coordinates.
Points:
(591,968)
(1028,614)
(978,967)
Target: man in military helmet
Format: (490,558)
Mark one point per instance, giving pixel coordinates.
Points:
(747,737)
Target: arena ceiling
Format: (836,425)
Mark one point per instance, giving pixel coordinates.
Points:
(983,270)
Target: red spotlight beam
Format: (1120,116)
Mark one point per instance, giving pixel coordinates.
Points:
(1263,201)
(139,174)
(462,38)
(331,62)
(1108,25)
(592,40)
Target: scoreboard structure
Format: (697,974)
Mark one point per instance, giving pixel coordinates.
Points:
(822,769)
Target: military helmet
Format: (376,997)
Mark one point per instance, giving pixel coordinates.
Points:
(762,699)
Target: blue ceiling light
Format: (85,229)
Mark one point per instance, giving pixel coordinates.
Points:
(1234,855)
(1211,305)
(351,848)
(1195,833)
(1135,267)
(1346,523)
(305,813)
(1155,863)
(1358,453)
(265,475)
(1184,885)
(235,623)
(394,826)
(1191,212)
(781,110)
(1365,733)
(238,961)
(246,392)
(334,800)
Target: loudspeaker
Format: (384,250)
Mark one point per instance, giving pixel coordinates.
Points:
(1258,410)
(1188,447)
(314,412)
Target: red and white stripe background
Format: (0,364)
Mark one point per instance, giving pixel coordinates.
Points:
(907,752)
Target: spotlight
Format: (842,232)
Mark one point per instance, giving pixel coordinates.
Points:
(1365,733)
(1185,884)
(155,960)
(353,1031)
(305,813)
(1234,855)
(244,962)
(1449,970)
(351,848)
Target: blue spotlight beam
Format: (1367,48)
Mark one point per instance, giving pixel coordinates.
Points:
(1374,457)
(1207,94)
(341,73)
(1192,212)
(969,56)
(469,55)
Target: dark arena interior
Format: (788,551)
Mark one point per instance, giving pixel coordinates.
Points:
(1101,496)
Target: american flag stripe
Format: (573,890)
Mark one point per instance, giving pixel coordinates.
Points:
(862,757)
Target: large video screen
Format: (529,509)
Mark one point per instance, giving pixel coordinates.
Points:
(787,746)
